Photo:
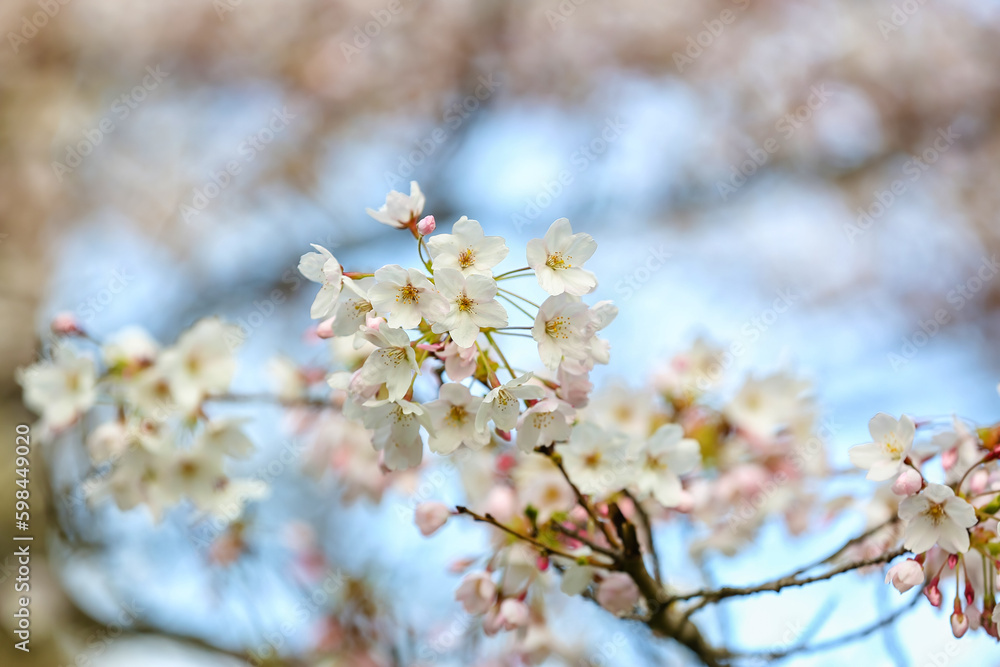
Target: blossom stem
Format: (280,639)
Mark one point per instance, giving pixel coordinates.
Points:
(487,518)
(516,305)
(420,251)
(582,499)
(503,276)
(496,347)
(988,457)
(518,335)
(514,294)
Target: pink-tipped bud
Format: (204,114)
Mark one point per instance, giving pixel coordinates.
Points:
(970,594)
(325,329)
(542,563)
(66,324)
(426,226)
(429,517)
(905,575)
(952,561)
(933,593)
(959,624)
(908,482)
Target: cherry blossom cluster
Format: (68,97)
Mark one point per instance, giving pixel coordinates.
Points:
(670,452)
(154,445)
(432,332)
(949,525)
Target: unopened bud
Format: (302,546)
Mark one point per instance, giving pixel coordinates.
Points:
(426,226)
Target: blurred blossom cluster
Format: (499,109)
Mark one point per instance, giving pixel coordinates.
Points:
(184,186)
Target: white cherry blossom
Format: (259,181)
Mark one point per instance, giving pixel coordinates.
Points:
(662,460)
(467,249)
(560,329)
(453,416)
(892,440)
(597,460)
(400,210)
(354,307)
(407,296)
(323,268)
(397,432)
(472,306)
(544,423)
(392,364)
(62,389)
(201,363)
(502,403)
(558,260)
(937,516)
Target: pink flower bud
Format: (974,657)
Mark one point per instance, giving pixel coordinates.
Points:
(65,324)
(908,482)
(325,329)
(933,593)
(959,624)
(905,575)
(431,516)
(426,226)
(970,594)
(952,561)
(476,592)
(618,593)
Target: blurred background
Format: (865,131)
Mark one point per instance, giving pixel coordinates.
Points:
(164,161)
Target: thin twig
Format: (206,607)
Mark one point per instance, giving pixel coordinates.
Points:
(487,518)
(790,581)
(647,527)
(582,499)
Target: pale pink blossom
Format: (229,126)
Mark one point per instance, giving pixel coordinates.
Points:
(430,516)
(476,592)
(905,575)
(617,593)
